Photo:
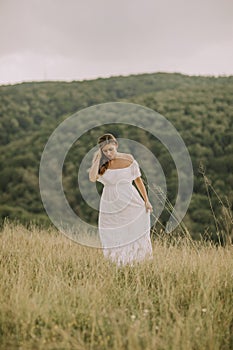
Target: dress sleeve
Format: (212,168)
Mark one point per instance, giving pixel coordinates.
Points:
(99,178)
(135,170)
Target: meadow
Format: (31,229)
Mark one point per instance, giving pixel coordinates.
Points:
(57,294)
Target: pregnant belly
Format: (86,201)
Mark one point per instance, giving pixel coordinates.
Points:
(116,198)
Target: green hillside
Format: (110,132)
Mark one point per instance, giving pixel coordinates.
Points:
(199,107)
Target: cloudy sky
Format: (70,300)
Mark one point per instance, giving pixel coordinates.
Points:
(85,39)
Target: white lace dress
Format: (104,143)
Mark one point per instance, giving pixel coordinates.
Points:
(124,223)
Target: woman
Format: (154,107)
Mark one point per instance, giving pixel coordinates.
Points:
(124,217)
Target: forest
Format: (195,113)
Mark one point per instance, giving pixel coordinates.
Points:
(200,108)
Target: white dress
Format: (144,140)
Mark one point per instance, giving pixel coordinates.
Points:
(124,223)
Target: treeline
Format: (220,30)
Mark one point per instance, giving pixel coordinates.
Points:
(199,107)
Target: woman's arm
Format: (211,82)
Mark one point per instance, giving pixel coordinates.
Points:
(141,187)
(93,172)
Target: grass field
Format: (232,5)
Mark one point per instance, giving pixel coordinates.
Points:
(56,294)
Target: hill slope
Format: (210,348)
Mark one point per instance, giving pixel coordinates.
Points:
(199,107)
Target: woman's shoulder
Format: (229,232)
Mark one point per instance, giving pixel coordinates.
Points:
(127,156)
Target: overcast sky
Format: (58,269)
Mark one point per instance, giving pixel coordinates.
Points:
(86,39)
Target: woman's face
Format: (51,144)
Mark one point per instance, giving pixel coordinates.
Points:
(110,150)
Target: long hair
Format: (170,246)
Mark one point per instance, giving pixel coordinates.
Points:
(104,161)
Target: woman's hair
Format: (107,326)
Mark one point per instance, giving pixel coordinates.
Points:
(102,141)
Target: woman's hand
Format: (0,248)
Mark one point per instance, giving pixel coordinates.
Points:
(97,155)
(94,169)
(148,206)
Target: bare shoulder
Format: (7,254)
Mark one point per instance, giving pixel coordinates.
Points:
(127,156)
(125,159)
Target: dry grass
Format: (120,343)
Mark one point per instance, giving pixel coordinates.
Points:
(56,294)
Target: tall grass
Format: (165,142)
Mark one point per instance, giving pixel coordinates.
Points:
(56,294)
